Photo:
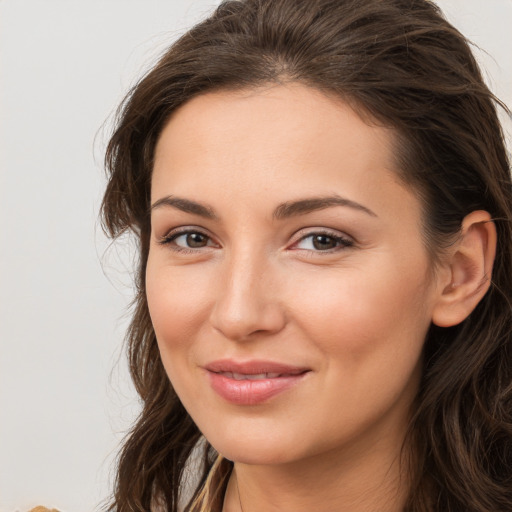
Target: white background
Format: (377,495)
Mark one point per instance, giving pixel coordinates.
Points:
(65,400)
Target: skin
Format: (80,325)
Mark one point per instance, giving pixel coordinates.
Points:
(256,287)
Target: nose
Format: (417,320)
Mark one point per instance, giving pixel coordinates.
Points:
(247,302)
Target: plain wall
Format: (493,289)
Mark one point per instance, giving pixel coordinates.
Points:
(65,399)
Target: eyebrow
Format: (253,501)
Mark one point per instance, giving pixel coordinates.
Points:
(185,205)
(283,211)
(303,206)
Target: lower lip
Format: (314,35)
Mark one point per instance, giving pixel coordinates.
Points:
(251,392)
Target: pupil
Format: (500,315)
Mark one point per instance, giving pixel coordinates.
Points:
(324,242)
(196,240)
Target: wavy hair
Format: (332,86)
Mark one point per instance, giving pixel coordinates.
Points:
(400,64)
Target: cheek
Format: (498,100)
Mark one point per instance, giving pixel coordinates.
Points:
(177,303)
(371,318)
(370,335)
(177,306)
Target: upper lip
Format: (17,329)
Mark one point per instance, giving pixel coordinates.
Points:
(253,367)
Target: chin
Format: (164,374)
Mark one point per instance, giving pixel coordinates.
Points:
(254,448)
(257,454)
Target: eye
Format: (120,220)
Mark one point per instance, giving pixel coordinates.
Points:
(323,242)
(192,240)
(187,240)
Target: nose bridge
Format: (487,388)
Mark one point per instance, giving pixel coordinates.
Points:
(246,302)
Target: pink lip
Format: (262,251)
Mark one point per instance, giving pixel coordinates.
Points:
(252,392)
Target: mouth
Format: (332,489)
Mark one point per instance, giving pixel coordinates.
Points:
(252,382)
(248,376)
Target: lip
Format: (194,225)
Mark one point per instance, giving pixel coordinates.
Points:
(243,383)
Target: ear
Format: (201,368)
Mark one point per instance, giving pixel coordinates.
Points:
(469,267)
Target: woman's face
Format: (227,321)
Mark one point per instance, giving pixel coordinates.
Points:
(287,280)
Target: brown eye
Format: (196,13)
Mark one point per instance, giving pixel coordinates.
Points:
(187,240)
(324,242)
(195,240)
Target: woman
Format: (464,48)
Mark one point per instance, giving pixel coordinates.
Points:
(322,200)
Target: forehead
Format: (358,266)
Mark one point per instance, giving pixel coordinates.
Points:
(297,113)
(286,140)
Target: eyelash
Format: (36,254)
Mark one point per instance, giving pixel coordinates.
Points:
(343,242)
(170,237)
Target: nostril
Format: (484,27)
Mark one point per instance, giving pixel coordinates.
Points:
(248,322)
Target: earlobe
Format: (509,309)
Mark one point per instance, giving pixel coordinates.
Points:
(470,268)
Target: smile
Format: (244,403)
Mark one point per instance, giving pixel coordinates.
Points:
(244,376)
(253,382)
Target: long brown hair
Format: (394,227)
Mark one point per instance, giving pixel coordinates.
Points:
(398,63)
